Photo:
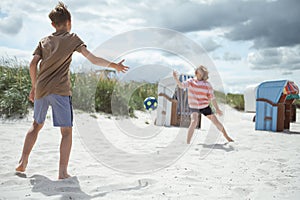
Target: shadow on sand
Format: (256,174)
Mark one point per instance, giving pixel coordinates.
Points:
(225,147)
(70,188)
(292,132)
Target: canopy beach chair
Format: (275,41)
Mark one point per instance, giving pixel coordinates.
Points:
(274,109)
(173,103)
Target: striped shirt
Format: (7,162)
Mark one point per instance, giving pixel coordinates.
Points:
(200,93)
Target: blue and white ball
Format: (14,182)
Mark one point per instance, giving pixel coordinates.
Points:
(150,103)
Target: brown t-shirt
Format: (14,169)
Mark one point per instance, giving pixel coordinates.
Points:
(56,55)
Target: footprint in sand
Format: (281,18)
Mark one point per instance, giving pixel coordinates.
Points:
(241,192)
(136,185)
(281,160)
(262,171)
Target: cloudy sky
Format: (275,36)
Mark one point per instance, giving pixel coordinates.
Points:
(248,41)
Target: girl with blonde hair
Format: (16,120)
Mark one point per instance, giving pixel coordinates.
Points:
(200,94)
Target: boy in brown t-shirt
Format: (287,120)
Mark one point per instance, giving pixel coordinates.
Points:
(52,84)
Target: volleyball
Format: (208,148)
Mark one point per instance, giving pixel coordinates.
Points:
(150,103)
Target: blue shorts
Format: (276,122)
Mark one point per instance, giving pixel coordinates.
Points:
(62,111)
(205,111)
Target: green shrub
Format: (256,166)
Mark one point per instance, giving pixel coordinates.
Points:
(83,91)
(122,98)
(91,94)
(220,96)
(103,96)
(143,91)
(297,103)
(235,100)
(15,87)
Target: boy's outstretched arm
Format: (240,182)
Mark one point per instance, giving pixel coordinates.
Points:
(33,72)
(102,62)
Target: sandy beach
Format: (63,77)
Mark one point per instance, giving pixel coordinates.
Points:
(258,165)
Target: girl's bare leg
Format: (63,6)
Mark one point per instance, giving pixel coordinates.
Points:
(65,149)
(193,124)
(218,124)
(28,145)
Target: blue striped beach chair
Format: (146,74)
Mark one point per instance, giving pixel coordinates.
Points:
(274,109)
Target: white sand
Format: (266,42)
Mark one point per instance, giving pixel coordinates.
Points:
(259,165)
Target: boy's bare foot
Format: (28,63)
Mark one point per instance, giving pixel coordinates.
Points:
(230,140)
(64,176)
(22,166)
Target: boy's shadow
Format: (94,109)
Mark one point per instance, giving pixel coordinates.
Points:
(67,188)
(70,188)
(224,147)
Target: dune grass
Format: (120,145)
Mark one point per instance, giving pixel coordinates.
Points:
(15,86)
(94,94)
(236,101)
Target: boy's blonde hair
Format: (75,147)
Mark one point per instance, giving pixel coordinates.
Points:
(203,70)
(60,14)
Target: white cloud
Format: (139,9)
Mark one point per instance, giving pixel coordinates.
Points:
(276,58)
(19,54)
(238,75)
(11,25)
(228,56)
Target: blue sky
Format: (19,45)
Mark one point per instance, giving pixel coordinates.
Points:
(248,41)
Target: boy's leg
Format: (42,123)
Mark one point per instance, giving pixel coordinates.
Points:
(193,124)
(218,124)
(63,118)
(40,111)
(28,145)
(65,149)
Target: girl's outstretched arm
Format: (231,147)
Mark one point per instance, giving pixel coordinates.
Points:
(175,75)
(215,104)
